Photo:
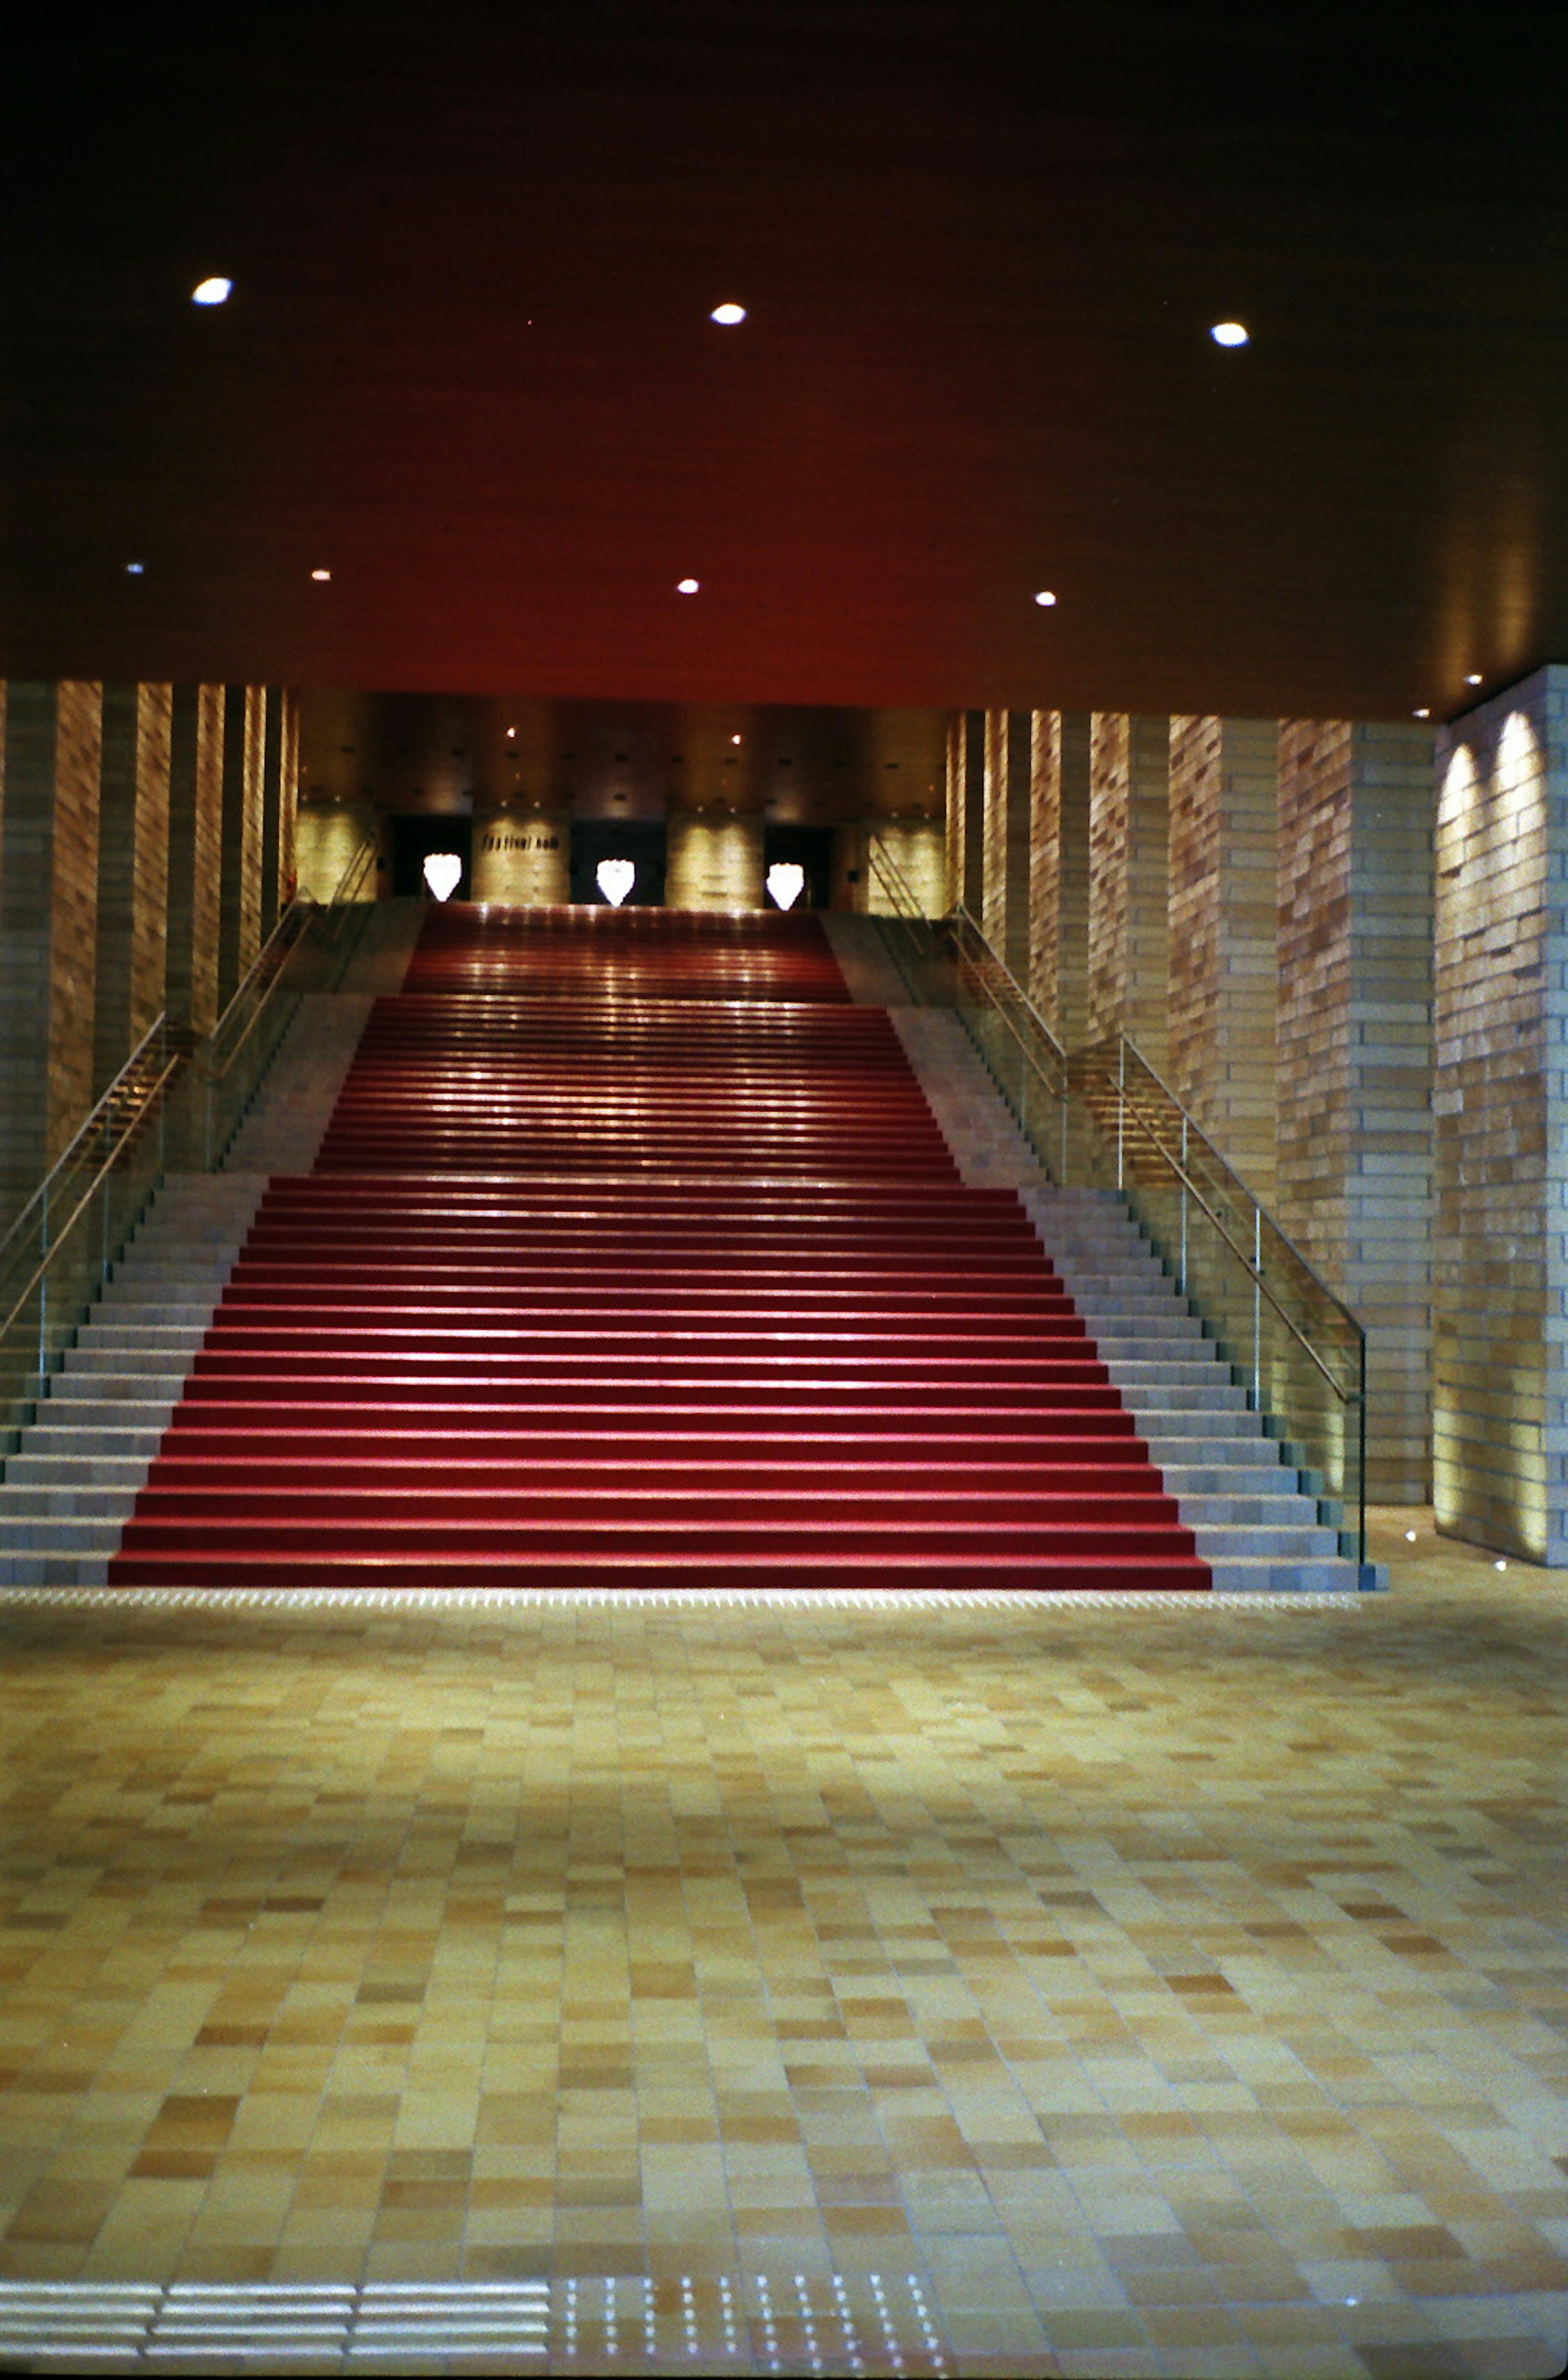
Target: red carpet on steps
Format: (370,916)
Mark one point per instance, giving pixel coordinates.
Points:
(633,1256)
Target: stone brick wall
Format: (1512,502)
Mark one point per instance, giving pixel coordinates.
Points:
(1128,926)
(48,923)
(133,872)
(1059,872)
(1499,1275)
(712,861)
(244,758)
(1354,1057)
(1223,833)
(917,848)
(328,835)
(195,827)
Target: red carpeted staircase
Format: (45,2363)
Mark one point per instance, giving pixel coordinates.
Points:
(633,1255)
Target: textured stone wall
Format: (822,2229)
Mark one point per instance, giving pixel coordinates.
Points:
(1223,836)
(243,854)
(521,857)
(1354,1185)
(195,827)
(133,872)
(48,923)
(1059,872)
(917,848)
(1130,961)
(712,861)
(327,836)
(288,798)
(1500,1274)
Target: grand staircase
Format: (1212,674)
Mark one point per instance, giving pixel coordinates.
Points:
(633,1255)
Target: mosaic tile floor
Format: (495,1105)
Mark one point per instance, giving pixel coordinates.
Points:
(1148,1990)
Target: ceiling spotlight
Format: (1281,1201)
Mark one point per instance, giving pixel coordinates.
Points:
(1229,335)
(511,731)
(1423,713)
(1474,678)
(1045,598)
(135,569)
(727,313)
(213,291)
(687,586)
(734,739)
(321,573)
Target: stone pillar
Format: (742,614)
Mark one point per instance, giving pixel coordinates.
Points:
(1353,1053)
(239,915)
(1129,948)
(133,873)
(522,858)
(713,860)
(965,811)
(271,827)
(1500,1273)
(51,752)
(196,828)
(1005,838)
(1223,861)
(1059,844)
(288,798)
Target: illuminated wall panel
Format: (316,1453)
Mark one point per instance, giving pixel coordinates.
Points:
(714,862)
(522,857)
(1499,1423)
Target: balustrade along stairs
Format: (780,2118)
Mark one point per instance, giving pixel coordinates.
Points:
(634,1256)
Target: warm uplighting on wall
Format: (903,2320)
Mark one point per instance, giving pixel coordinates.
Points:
(615,879)
(443,872)
(786,882)
(213,291)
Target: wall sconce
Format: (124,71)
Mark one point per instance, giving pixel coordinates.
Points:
(443,871)
(786,882)
(615,878)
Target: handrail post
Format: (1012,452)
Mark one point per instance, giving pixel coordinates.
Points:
(1120,1101)
(1183,1269)
(1256,1307)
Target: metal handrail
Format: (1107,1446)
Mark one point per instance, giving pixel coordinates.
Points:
(1253,1270)
(989,976)
(126,1135)
(1195,1131)
(100,1115)
(123,1128)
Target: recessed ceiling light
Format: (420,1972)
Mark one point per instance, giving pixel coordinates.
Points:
(1423,713)
(511,731)
(728,313)
(687,586)
(321,573)
(1045,596)
(1229,335)
(1474,678)
(135,569)
(734,739)
(213,291)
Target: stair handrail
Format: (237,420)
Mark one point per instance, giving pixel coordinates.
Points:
(1121,1049)
(165,1057)
(112,1121)
(1113,1061)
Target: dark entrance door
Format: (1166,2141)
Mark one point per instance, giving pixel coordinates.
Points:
(811,849)
(413,840)
(639,840)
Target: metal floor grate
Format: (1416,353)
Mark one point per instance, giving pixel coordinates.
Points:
(868,2324)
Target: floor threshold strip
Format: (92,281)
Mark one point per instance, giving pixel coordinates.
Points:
(863,2323)
(633,1598)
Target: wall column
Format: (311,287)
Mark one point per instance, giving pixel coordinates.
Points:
(50,748)
(1354,1182)
(1500,1273)
(1224,836)
(196,828)
(965,810)
(288,798)
(133,873)
(239,915)
(1129,941)
(1059,839)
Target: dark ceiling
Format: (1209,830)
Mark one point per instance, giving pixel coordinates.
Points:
(468,366)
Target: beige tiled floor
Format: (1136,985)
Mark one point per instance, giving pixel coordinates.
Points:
(1174,1991)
